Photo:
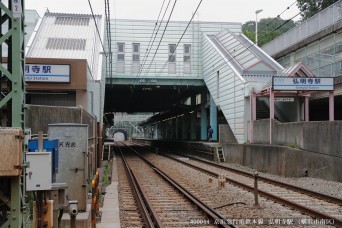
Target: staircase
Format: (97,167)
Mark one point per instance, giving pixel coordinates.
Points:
(262,110)
(220,155)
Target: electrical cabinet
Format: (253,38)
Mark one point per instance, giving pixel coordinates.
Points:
(38,175)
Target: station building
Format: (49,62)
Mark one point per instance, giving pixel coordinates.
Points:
(63,62)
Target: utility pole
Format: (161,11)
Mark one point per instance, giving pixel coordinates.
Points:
(12,101)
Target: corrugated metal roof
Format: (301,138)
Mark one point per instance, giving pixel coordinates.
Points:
(69,36)
(243,52)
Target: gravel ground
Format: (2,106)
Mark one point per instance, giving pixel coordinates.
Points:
(331,188)
(239,203)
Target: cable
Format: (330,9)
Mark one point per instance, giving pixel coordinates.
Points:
(168,20)
(159,73)
(109,40)
(130,98)
(267,25)
(148,46)
(97,29)
(247,48)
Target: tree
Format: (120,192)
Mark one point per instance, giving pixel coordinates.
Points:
(308,8)
(268,29)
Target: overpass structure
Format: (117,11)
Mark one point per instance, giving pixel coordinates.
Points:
(201,78)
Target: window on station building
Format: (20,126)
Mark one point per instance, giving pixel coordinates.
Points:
(136,52)
(120,58)
(187,59)
(121,52)
(172,53)
(135,57)
(172,58)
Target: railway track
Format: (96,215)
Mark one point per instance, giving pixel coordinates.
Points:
(130,213)
(162,202)
(315,204)
(323,209)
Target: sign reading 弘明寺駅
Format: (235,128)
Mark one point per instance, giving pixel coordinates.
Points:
(303,84)
(47,73)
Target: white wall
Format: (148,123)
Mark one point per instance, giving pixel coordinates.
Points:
(231,92)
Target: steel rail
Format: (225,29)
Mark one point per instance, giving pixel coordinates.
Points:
(216,218)
(149,215)
(306,210)
(318,195)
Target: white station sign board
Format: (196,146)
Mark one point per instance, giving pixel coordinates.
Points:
(47,73)
(303,84)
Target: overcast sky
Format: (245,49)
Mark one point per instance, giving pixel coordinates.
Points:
(210,10)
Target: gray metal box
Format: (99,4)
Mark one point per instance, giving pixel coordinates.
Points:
(73,159)
(39,172)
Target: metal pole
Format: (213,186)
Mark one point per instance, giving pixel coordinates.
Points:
(256,174)
(72,221)
(256,28)
(306,109)
(256,25)
(331,106)
(271,112)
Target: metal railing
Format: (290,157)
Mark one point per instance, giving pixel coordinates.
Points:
(313,25)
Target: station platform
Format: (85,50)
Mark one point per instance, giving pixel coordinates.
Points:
(110,210)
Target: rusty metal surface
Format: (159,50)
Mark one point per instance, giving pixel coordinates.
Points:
(10,151)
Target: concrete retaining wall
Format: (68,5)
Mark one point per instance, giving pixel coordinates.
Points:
(321,136)
(182,147)
(226,134)
(279,160)
(38,117)
(285,161)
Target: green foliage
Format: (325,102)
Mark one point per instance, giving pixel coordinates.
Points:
(268,29)
(293,145)
(308,8)
(104,180)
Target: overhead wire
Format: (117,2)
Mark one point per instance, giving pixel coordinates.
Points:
(246,48)
(263,28)
(253,44)
(180,39)
(149,46)
(231,57)
(109,40)
(97,28)
(161,38)
(132,91)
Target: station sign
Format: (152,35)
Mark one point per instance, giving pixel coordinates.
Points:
(303,84)
(284,99)
(47,73)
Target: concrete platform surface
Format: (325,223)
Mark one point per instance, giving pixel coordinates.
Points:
(110,210)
